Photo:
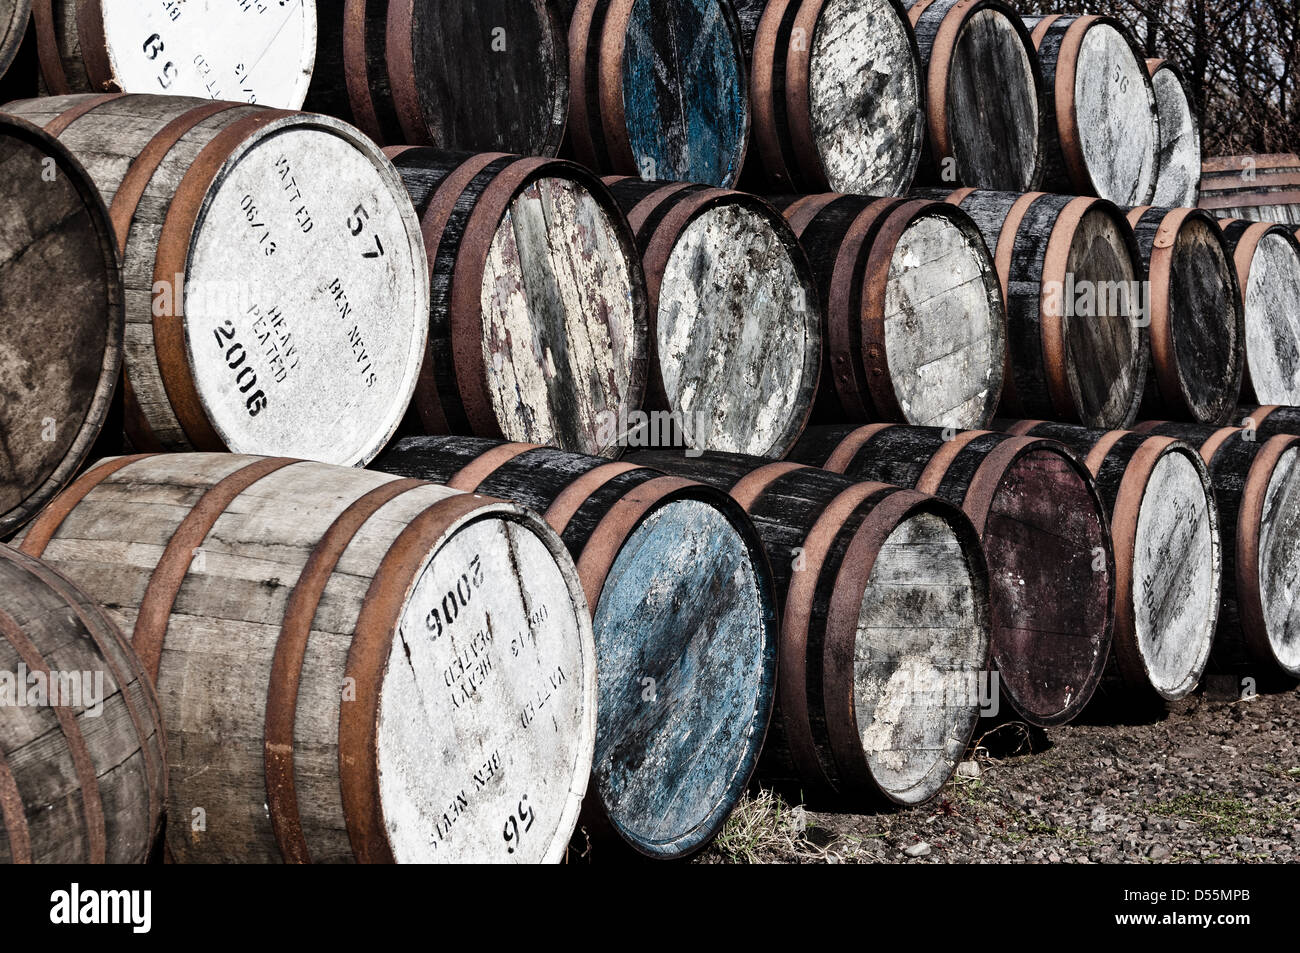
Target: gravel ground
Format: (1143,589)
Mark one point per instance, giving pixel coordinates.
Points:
(1214,780)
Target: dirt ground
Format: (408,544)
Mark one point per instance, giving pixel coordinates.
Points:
(1215,780)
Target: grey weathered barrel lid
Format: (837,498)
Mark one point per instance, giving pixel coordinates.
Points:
(14,15)
(1178,178)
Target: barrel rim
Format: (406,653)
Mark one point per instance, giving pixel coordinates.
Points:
(114,338)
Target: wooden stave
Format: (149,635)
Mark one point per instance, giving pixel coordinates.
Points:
(292,825)
(100,406)
(1269,421)
(1165,196)
(1066,171)
(446,189)
(1123,462)
(577,495)
(1241,467)
(138,785)
(967,471)
(1167,385)
(810,752)
(1031,363)
(1273,193)
(1243,237)
(648,206)
(164,409)
(369,78)
(844,237)
(938,25)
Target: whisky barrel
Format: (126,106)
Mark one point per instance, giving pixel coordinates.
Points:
(14,17)
(538,315)
(1103,127)
(1258,188)
(1269,421)
(1198,330)
(1168,555)
(60,354)
(257,53)
(985,96)
(276,284)
(82,759)
(916,329)
(735,325)
(1072,274)
(350,666)
(885,631)
(1178,168)
(685,624)
(837,93)
(1267,259)
(1046,536)
(471,75)
(1257,487)
(659,89)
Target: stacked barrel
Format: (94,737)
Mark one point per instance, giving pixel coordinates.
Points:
(750,390)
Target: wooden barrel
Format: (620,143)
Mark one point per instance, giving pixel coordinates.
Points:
(1046,536)
(1198,330)
(735,324)
(838,95)
(659,89)
(916,329)
(350,666)
(14,17)
(1269,421)
(1267,259)
(1072,273)
(271,306)
(1257,487)
(685,624)
(1178,168)
(1258,188)
(472,75)
(1102,126)
(60,353)
(1168,555)
(82,761)
(985,96)
(257,53)
(885,631)
(538,314)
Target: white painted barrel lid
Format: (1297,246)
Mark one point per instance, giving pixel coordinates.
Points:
(1273,320)
(260,52)
(306,295)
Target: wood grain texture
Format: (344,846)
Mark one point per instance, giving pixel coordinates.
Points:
(1269,421)
(1103,108)
(457,75)
(1198,331)
(736,337)
(885,602)
(1267,259)
(259,53)
(255,320)
(1256,487)
(985,95)
(1178,168)
(1070,271)
(61,353)
(915,322)
(837,90)
(351,667)
(538,317)
(1258,188)
(666,95)
(1046,536)
(685,623)
(1168,555)
(81,743)
(14,17)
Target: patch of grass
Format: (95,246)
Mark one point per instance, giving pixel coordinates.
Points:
(763,828)
(1215,814)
